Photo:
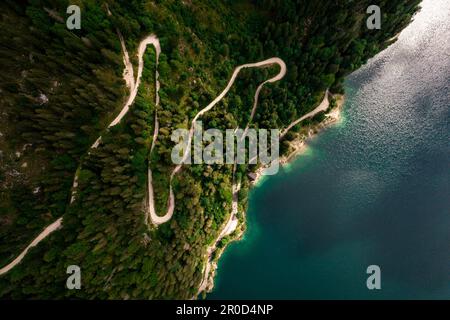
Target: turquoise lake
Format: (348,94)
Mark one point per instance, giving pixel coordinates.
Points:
(373,189)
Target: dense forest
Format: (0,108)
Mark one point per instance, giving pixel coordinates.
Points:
(61,88)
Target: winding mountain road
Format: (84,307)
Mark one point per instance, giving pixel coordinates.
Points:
(133,85)
(155,219)
(322,107)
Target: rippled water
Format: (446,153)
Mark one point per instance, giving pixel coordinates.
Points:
(374,189)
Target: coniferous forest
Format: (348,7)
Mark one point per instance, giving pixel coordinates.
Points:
(60,88)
